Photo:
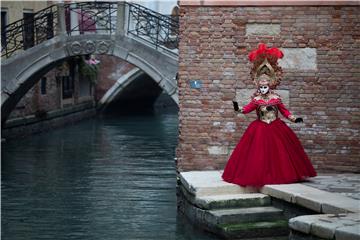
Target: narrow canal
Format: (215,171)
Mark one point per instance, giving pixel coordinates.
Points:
(109,177)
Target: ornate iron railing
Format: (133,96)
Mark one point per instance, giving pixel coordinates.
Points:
(90,17)
(28,32)
(153,27)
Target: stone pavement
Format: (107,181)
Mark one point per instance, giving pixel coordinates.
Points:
(347,184)
(335,197)
(326,226)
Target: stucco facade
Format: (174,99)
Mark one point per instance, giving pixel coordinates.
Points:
(16,9)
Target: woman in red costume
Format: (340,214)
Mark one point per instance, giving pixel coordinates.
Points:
(269,151)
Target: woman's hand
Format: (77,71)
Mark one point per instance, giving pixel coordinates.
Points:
(299,120)
(236,106)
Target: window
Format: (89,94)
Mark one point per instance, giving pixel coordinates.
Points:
(3,25)
(67,87)
(68,81)
(43,85)
(28,31)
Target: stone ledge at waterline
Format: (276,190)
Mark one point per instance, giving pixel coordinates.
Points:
(20,127)
(232,211)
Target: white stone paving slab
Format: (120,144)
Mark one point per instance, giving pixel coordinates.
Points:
(324,229)
(312,198)
(328,226)
(200,183)
(303,223)
(348,233)
(346,184)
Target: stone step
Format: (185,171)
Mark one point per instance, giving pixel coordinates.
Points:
(201,183)
(263,222)
(242,215)
(244,200)
(255,230)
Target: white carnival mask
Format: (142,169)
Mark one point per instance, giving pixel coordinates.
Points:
(264,89)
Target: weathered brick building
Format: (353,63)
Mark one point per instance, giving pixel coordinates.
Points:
(321,82)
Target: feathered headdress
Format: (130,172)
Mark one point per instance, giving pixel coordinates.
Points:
(265,62)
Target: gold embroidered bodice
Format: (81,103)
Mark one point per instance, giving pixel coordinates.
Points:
(267,110)
(267,113)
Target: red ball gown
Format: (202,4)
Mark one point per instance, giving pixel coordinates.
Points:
(269,152)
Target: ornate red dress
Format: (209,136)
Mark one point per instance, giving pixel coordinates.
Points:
(269,152)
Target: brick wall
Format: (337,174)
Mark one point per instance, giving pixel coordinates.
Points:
(34,101)
(321,77)
(111,69)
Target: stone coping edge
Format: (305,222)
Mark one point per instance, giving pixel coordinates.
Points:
(312,198)
(200,183)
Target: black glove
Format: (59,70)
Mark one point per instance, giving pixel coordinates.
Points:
(236,106)
(299,120)
(269,108)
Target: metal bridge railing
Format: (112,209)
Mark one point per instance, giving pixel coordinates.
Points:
(157,29)
(89,18)
(28,32)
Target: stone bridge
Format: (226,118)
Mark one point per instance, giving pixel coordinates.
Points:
(23,69)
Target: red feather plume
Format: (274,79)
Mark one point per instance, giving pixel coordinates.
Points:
(272,54)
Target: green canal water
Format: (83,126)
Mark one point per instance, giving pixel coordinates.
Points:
(111,177)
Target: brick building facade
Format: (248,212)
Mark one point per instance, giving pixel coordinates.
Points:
(321,80)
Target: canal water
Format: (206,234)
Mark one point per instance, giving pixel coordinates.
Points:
(111,177)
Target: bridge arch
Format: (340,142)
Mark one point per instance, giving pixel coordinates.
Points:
(21,72)
(118,86)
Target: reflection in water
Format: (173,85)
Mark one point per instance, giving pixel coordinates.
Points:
(105,178)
